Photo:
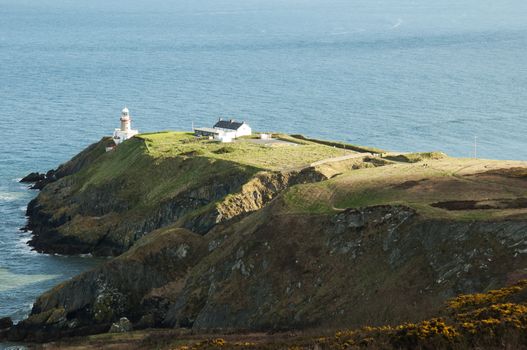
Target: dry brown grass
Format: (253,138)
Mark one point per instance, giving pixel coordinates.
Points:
(419,185)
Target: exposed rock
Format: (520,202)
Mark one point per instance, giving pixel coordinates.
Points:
(124,325)
(94,300)
(272,271)
(339,270)
(33,177)
(5,323)
(73,216)
(84,158)
(229,252)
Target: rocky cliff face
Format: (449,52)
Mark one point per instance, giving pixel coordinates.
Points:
(275,271)
(85,210)
(214,246)
(367,266)
(91,301)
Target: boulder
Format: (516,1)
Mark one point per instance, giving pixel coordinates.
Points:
(6,322)
(41,184)
(33,177)
(124,325)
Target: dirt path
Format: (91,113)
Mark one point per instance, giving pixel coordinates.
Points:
(342,158)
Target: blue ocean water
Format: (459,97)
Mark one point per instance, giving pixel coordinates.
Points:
(404,75)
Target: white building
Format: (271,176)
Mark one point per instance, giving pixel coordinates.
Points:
(225,130)
(125,131)
(237,129)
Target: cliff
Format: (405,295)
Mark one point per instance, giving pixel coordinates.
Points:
(248,237)
(101,203)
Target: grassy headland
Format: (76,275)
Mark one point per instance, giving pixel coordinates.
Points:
(297,234)
(297,153)
(422,185)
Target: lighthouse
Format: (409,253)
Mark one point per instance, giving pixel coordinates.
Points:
(125,131)
(125,120)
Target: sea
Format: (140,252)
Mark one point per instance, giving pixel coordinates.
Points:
(407,75)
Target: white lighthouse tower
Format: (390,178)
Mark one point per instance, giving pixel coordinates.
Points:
(125,132)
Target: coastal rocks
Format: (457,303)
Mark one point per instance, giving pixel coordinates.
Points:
(5,323)
(124,325)
(33,177)
(39,180)
(93,301)
(73,166)
(244,259)
(50,177)
(75,215)
(275,271)
(105,213)
(379,264)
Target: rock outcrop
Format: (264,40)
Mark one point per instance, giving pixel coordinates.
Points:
(93,301)
(33,177)
(87,210)
(122,326)
(214,245)
(5,323)
(276,271)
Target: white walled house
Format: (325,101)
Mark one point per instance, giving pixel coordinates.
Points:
(125,131)
(231,126)
(225,130)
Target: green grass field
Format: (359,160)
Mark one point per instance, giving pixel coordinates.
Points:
(279,157)
(418,184)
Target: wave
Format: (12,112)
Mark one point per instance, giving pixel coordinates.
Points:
(9,280)
(10,196)
(397,24)
(347,32)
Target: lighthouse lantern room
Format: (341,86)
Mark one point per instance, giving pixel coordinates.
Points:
(125,132)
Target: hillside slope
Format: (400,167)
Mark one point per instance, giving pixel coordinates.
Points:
(496,319)
(342,244)
(110,200)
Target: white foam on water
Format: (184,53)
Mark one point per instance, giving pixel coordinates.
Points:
(10,196)
(340,33)
(347,32)
(397,24)
(9,280)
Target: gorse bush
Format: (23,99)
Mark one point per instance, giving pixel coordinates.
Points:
(497,319)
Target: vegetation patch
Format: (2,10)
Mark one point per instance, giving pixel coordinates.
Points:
(515,172)
(194,153)
(224,150)
(408,184)
(242,151)
(417,157)
(474,321)
(516,203)
(493,320)
(438,188)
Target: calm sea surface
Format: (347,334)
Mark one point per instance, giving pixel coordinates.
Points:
(403,75)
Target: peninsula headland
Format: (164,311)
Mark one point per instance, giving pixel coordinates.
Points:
(280,235)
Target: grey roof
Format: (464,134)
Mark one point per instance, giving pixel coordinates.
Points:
(210,130)
(228,124)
